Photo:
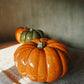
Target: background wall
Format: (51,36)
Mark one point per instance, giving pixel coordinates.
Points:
(59,19)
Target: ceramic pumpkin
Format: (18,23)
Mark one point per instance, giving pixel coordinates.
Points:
(42,60)
(27,34)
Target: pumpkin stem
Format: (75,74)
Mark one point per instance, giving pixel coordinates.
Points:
(41,44)
(31,29)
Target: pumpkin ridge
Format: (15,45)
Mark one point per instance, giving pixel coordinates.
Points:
(18,55)
(46,64)
(20,59)
(64,62)
(29,43)
(25,31)
(28,46)
(33,50)
(63,49)
(68,60)
(26,35)
(41,33)
(58,44)
(60,62)
(29,36)
(38,66)
(52,41)
(42,66)
(28,57)
(30,53)
(66,52)
(44,39)
(21,48)
(57,71)
(36,41)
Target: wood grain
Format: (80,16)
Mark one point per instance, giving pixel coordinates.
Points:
(7,44)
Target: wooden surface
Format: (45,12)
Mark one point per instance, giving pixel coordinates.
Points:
(10,75)
(7,44)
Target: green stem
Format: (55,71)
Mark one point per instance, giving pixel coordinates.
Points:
(41,44)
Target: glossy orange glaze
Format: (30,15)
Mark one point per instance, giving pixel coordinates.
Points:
(43,65)
(42,69)
(64,62)
(53,64)
(32,65)
(22,61)
(57,44)
(18,31)
(44,39)
(62,49)
(21,49)
(36,41)
(52,41)
(41,39)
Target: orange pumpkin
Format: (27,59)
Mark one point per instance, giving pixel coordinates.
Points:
(42,60)
(18,32)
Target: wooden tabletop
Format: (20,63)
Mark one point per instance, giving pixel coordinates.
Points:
(8,44)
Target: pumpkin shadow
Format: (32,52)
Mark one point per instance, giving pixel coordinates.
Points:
(77,63)
(12,74)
